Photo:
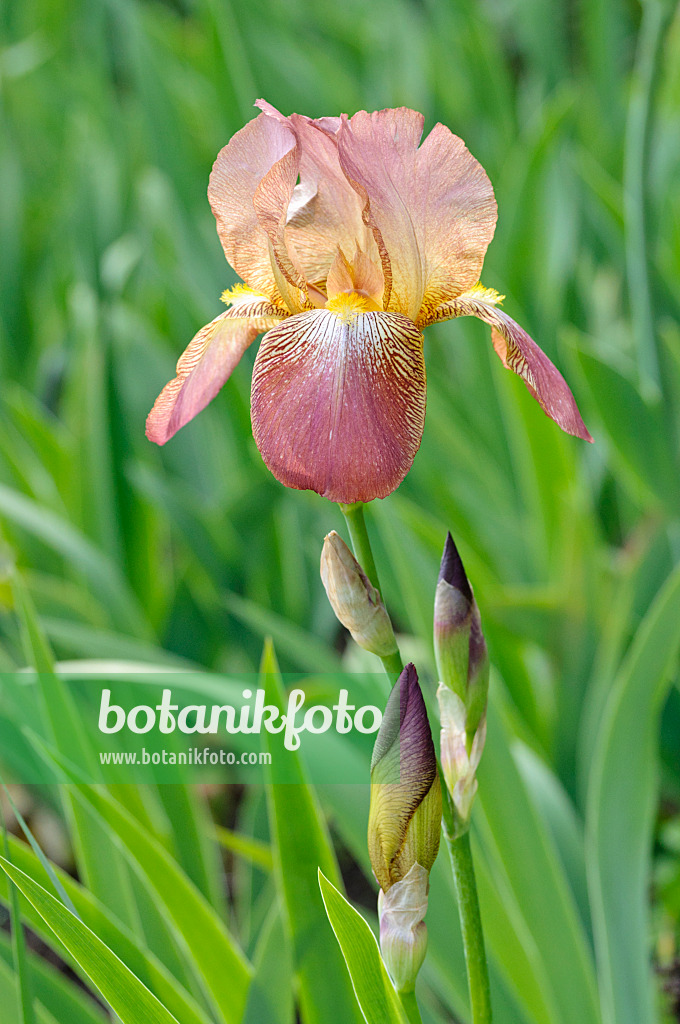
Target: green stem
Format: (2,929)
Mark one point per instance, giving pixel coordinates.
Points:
(409,1002)
(471,926)
(354,514)
(361,545)
(459,849)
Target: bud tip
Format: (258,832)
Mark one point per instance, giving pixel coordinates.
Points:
(452,570)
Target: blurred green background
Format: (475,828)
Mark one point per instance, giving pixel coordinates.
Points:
(112,112)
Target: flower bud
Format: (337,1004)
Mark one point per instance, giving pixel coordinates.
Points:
(404,826)
(463,664)
(403,935)
(459,757)
(354,599)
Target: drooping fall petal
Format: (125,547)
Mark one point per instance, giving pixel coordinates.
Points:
(251,185)
(432,207)
(338,401)
(205,365)
(520,353)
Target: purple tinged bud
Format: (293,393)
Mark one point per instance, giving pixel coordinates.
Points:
(404,827)
(460,649)
(452,571)
(405,814)
(463,665)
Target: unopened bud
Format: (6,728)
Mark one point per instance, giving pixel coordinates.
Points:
(459,756)
(404,826)
(463,664)
(404,821)
(460,648)
(354,599)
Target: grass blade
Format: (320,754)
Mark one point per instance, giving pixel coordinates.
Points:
(302,846)
(622,797)
(372,986)
(131,1000)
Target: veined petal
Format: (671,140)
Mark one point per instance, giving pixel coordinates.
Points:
(250,188)
(202,369)
(520,353)
(338,401)
(433,207)
(245,303)
(324,211)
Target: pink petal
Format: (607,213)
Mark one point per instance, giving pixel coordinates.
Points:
(433,207)
(520,353)
(250,188)
(203,368)
(338,402)
(325,211)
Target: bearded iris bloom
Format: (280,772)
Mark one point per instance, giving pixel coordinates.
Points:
(350,237)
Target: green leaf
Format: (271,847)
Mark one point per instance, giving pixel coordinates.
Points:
(105,577)
(622,798)
(270,997)
(56,992)
(521,854)
(103,873)
(101,920)
(638,431)
(374,991)
(253,850)
(60,890)
(219,963)
(19,946)
(131,1000)
(302,846)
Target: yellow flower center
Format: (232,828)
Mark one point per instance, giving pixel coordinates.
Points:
(349,305)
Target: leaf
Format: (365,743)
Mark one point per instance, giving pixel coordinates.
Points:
(219,963)
(622,796)
(56,992)
(107,926)
(60,890)
(639,431)
(374,991)
(105,577)
(131,1000)
(523,859)
(103,873)
(253,850)
(270,997)
(302,846)
(19,947)
(300,646)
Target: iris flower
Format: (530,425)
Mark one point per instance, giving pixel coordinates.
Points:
(350,237)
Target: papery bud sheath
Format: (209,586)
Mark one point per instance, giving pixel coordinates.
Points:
(354,599)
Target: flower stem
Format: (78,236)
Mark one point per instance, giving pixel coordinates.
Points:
(459,848)
(408,1001)
(361,545)
(470,918)
(354,514)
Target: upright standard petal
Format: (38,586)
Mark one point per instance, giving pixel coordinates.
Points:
(432,207)
(250,188)
(338,400)
(325,211)
(205,365)
(520,353)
